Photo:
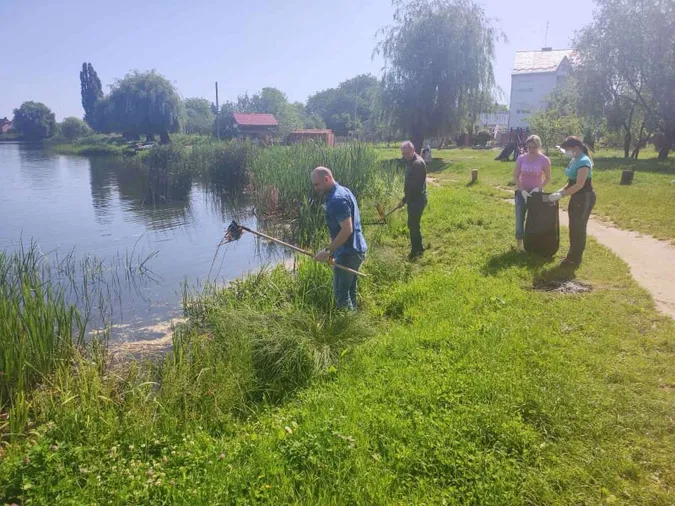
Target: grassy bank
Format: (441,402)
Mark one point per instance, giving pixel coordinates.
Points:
(457,384)
(645,206)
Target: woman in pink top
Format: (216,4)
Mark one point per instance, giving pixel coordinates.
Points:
(531,173)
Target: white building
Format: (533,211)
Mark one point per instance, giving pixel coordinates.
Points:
(535,75)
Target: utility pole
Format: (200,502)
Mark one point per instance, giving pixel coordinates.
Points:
(546,36)
(217,113)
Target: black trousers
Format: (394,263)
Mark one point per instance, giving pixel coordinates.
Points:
(415,211)
(580,207)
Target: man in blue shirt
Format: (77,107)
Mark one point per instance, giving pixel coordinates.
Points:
(348,246)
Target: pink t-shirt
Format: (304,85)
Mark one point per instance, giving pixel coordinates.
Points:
(532,170)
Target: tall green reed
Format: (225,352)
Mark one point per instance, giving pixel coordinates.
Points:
(48,305)
(280,180)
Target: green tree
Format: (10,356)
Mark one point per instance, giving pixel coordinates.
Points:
(73,128)
(273,101)
(346,108)
(627,54)
(145,103)
(438,54)
(91,92)
(34,120)
(308,120)
(228,128)
(199,118)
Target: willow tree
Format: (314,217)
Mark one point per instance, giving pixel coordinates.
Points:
(145,103)
(439,57)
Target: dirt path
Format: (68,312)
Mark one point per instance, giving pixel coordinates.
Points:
(651,261)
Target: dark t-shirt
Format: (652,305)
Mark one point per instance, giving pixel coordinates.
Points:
(415,188)
(340,205)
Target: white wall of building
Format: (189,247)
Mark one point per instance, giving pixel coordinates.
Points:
(529,93)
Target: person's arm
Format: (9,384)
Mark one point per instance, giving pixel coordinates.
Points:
(346,230)
(340,211)
(582,175)
(516,175)
(571,189)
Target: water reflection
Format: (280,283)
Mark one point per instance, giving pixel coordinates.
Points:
(161,200)
(112,207)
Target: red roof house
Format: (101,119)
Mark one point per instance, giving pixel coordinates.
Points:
(5,125)
(314,134)
(257,126)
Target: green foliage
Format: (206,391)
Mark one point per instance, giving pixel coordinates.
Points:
(552,127)
(38,329)
(338,106)
(438,54)
(482,138)
(73,129)
(472,391)
(35,121)
(280,180)
(220,163)
(144,103)
(199,116)
(91,92)
(627,56)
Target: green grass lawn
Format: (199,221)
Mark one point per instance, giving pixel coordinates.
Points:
(472,388)
(647,206)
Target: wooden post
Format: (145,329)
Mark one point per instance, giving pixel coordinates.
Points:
(474,175)
(627,177)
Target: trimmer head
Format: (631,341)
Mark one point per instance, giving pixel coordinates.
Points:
(234,231)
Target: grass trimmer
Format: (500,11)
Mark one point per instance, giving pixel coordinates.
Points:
(235,231)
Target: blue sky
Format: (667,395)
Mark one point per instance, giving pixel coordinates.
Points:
(299,46)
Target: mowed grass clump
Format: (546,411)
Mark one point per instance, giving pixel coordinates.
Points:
(280,180)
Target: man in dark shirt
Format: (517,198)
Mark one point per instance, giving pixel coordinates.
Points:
(348,246)
(415,195)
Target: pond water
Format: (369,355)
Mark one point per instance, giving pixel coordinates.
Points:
(112,209)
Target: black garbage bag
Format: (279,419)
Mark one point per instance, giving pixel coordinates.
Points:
(542,226)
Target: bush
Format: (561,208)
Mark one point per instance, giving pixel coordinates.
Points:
(73,129)
(482,138)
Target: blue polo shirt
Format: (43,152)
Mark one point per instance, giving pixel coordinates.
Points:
(340,205)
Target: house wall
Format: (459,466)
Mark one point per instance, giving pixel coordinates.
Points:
(529,93)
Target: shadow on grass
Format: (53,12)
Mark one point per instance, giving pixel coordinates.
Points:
(437,165)
(647,165)
(513,258)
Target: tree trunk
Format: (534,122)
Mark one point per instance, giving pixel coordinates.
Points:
(665,148)
(417,139)
(150,137)
(164,137)
(626,145)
